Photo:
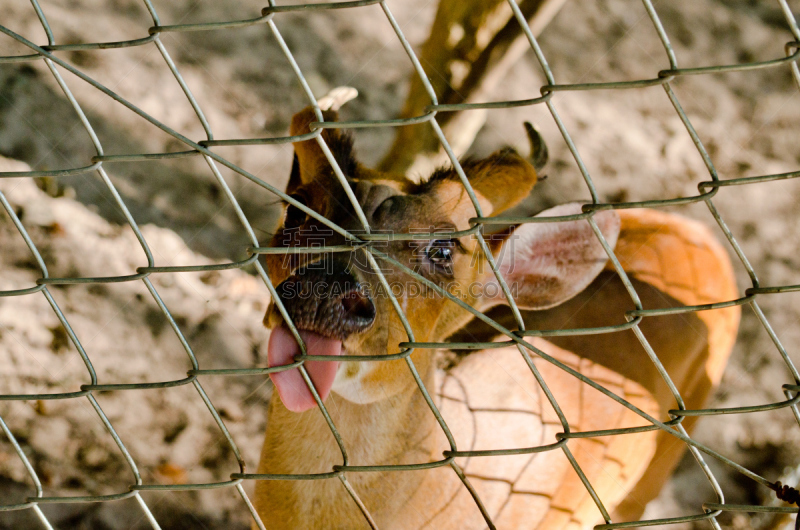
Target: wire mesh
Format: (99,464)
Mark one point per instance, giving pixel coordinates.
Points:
(707,191)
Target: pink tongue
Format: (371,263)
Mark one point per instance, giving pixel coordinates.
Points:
(290,384)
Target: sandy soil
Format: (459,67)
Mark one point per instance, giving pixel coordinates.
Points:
(632,142)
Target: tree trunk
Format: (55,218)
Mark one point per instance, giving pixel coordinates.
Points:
(472,46)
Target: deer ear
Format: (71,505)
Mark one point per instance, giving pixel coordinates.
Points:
(545,264)
(504,178)
(310,160)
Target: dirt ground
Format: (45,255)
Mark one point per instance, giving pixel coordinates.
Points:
(631,141)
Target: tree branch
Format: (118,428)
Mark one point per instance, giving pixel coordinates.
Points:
(472,46)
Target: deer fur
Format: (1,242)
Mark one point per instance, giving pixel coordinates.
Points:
(489,399)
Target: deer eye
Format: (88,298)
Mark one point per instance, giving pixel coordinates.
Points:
(295,217)
(440,252)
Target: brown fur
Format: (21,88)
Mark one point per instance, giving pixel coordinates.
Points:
(388,422)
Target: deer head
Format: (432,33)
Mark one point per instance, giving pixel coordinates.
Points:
(337,301)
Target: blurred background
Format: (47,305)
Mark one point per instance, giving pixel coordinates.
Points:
(632,141)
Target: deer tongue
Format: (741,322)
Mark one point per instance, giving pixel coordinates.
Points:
(290,384)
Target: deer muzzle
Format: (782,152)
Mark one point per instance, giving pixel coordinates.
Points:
(327,304)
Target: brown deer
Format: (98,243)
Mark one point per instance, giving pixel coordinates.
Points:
(490,399)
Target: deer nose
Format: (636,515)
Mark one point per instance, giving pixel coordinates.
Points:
(358,307)
(327,300)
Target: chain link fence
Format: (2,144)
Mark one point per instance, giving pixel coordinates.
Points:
(270,18)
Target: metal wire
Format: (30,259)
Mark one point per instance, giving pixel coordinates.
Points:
(202,147)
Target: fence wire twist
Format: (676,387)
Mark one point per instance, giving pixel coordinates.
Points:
(707,191)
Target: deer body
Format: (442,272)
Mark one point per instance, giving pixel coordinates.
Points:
(489,400)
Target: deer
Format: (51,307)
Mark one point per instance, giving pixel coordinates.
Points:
(559,276)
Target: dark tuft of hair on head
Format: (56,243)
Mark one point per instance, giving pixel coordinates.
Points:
(341,146)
